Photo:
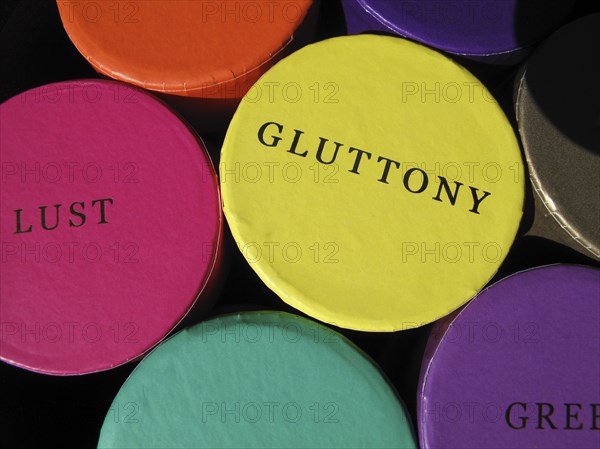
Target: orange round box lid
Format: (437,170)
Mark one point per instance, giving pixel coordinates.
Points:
(193,48)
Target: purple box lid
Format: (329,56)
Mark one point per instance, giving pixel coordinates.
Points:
(497,31)
(518,367)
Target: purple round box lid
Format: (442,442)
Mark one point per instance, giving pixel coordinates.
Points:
(471,28)
(519,367)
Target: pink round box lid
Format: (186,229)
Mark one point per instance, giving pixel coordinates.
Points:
(111,225)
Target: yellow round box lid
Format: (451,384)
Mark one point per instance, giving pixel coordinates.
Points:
(372,183)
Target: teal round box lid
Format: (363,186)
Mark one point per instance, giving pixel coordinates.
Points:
(257,380)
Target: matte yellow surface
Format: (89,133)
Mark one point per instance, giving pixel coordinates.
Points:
(374,256)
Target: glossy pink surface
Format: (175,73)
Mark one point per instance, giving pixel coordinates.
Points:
(85,296)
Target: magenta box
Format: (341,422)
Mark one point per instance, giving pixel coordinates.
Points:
(111,225)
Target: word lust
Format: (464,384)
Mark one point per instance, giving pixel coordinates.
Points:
(415,180)
(78,216)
